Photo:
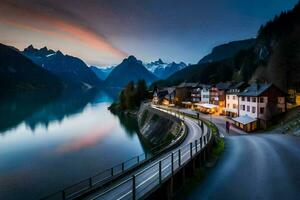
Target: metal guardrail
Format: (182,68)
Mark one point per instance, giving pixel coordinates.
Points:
(107,175)
(152,176)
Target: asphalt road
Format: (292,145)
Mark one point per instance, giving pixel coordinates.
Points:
(253,166)
(149,177)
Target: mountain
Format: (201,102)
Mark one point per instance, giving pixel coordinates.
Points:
(274,57)
(72,71)
(226,51)
(130,69)
(102,73)
(17,72)
(215,72)
(163,70)
(278,49)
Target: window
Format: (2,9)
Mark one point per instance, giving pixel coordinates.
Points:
(234,106)
(233,97)
(243,107)
(261,99)
(228,97)
(248,108)
(228,105)
(253,99)
(243,98)
(248,99)
(253,109)
(261,110)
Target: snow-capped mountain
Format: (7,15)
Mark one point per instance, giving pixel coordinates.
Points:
(72,71)
(164,70)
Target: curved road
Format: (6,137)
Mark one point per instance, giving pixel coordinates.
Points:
(147,176)
(257,166)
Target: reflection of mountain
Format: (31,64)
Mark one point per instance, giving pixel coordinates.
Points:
(33,109)
(69,103)
(14,109)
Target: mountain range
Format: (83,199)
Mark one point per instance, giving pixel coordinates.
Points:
(163,70)
(102,73)
(130,69)
(17,72)
(72,71)
(226,51)
(273,56)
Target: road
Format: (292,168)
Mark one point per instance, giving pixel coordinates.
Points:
(256,166)
(147,177)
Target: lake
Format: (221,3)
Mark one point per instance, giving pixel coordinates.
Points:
(46,145)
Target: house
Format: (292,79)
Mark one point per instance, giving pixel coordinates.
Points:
(213,95)
(205,97)
(232,102)
(222,88)
(258,104)
(164,96)
(183,93)
(196,94)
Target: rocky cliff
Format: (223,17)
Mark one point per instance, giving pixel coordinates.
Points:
(159,128)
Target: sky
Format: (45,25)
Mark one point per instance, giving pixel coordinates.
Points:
(104,32)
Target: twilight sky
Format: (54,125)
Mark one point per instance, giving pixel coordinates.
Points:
(103,32)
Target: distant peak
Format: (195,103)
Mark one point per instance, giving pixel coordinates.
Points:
(160,61)
(59,53)
(131,58)
(30,48)
(44,49)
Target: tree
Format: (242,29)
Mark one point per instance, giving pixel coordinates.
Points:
(122,100)
(130,95)
(142,92)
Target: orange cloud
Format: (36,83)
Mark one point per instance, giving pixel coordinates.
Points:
(36,21)
(89,139)
(88,37)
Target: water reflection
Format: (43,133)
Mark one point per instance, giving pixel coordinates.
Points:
(40,109)
(49,142)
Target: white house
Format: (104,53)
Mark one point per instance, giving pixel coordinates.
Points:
(258,104)
(232,101)
(205,97)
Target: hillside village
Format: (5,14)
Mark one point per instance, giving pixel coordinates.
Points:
(250,107)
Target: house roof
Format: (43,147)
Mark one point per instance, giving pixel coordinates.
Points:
(165,92)
(235,88)
(244,119)
(255,89)
(184,84)
(223,86)
(170,89)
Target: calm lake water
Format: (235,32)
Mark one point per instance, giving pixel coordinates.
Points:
(46,146)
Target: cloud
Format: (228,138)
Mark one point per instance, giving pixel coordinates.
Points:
(42,17)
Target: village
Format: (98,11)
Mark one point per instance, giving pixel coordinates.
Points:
(248,107)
